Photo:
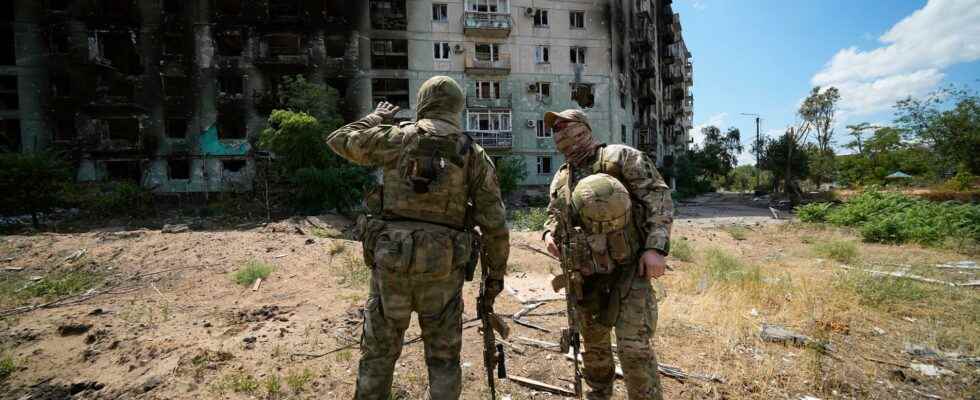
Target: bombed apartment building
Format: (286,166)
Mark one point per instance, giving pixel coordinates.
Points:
(169,94)
(173,93)
(623,61)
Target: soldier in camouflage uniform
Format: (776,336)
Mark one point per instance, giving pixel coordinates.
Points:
(621,296)
(418,247)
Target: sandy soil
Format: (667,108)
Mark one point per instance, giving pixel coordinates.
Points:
(175,326)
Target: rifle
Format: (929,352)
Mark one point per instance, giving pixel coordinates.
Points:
(493,352)
(572,281)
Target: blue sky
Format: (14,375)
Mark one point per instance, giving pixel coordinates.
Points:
(764,56)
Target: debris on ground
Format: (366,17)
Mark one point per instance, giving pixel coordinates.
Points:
(73,329)
(175,228)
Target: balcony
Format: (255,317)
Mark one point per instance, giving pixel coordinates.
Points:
(500,66)
(504,101)
(487,24)
(688,104)
(493,140)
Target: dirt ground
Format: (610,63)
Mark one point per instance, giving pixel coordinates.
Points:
(165,320)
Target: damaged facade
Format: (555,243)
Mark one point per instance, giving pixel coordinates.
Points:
(624,61)
(172,94)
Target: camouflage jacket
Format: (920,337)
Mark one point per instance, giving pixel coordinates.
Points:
(647,190)
(362,145)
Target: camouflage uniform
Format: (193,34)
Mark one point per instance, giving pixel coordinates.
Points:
(418,248)
(634,315)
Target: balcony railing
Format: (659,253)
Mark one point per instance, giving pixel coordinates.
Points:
(499,66)
(493,140)
(688,103)
(487,24)
(504,101)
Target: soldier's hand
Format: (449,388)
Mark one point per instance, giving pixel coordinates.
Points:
(652,265)
(549,241)
(387,111)
(492,290)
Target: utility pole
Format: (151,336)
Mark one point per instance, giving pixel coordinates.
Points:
(758,150)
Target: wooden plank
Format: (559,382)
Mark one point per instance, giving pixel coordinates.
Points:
(541,386)
(258,282)
(538,343)
(532,326)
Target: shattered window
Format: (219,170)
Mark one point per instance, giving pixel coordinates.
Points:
(123,171)
(487,52)
(231,84)
(176,128)
(283,8)
(283,44)
(179,168)
(127,129)
(8,55)
(119,49)
(394,91)
(60,85)
(544,165)
(9,135)
(233,166)
(59,40)
(388,15)
(336,46)
(230,43)
(231,125)
(577,55)
(9,100)
(173,6)
(488,89)
(389,54)
(583,95)
(176,86)
(7,11)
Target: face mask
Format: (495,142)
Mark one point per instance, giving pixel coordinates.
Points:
(575,141)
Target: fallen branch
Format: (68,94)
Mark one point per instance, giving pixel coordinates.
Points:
(540,386)
(536,250)
(532,326)
(517,349)
(538,343)
(900,274)
(669,371)
(886,362)
(525,310)
(258,282)
(312,356)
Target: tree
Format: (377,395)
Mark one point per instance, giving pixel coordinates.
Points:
(785,159)
(952,134)
(32,183)
(719,153)
(511,171)
(818,111)
(857,131)
(321,179)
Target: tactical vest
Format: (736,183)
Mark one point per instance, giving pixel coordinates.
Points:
(429,182)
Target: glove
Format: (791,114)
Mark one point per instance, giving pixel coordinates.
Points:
(492,290)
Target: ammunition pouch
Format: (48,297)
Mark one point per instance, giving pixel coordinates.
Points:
(605,251)
(415,249)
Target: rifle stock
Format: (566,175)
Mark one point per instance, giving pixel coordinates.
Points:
(570,338)
(493,353)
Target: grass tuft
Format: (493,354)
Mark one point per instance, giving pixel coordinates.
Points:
(738,232)
(529,219)
(297,381)
(17,289)
(7,367)
(883,292)
(682,250)
(840,250)
(722,267)
(353,272)
(238,382)
(252,270)
(272,386)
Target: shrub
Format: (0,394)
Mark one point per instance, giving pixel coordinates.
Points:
(839,250)
(530,219)
(961,182)
(681,249)
(884,291)
(813,212)
(511,171)
(894,218)
(7,367)
(737,232)
(65,284)
(32,183)
(252,271)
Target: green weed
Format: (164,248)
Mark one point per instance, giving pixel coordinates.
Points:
(272,386)
(7,367)
(238,382)
(344,356)
(353,272)
(681,249)
(722,267)
(19,288)
(738,232)
(837,249)
(326,233)
(297,381)
(885,291)
(252,270)
(530,219)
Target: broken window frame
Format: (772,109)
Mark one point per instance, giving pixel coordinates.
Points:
(180,164)
(10,139)
(236,131)
(64,130)
(224,12)
(492,52)
(541,90)
(9,94)
(541,131)
(111,132)
(542,54)
(488,89)
(575,87)
(170,126)
(576,19)
(226,88)
(285,4)
(221,47)
(577,54)
(383,50)
(286,44)
(226,163)
(544,165)
(395,10)
(541,18)
(440,12)
(488,6)
(441,51)
(392,90)
(8,55)
(489,121)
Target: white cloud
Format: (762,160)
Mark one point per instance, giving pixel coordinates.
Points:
(911,59)
(717,120)
(698,4)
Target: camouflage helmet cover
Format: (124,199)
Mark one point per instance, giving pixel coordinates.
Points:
(602,202)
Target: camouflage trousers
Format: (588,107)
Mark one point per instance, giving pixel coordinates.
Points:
(635,327)
(392,300)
